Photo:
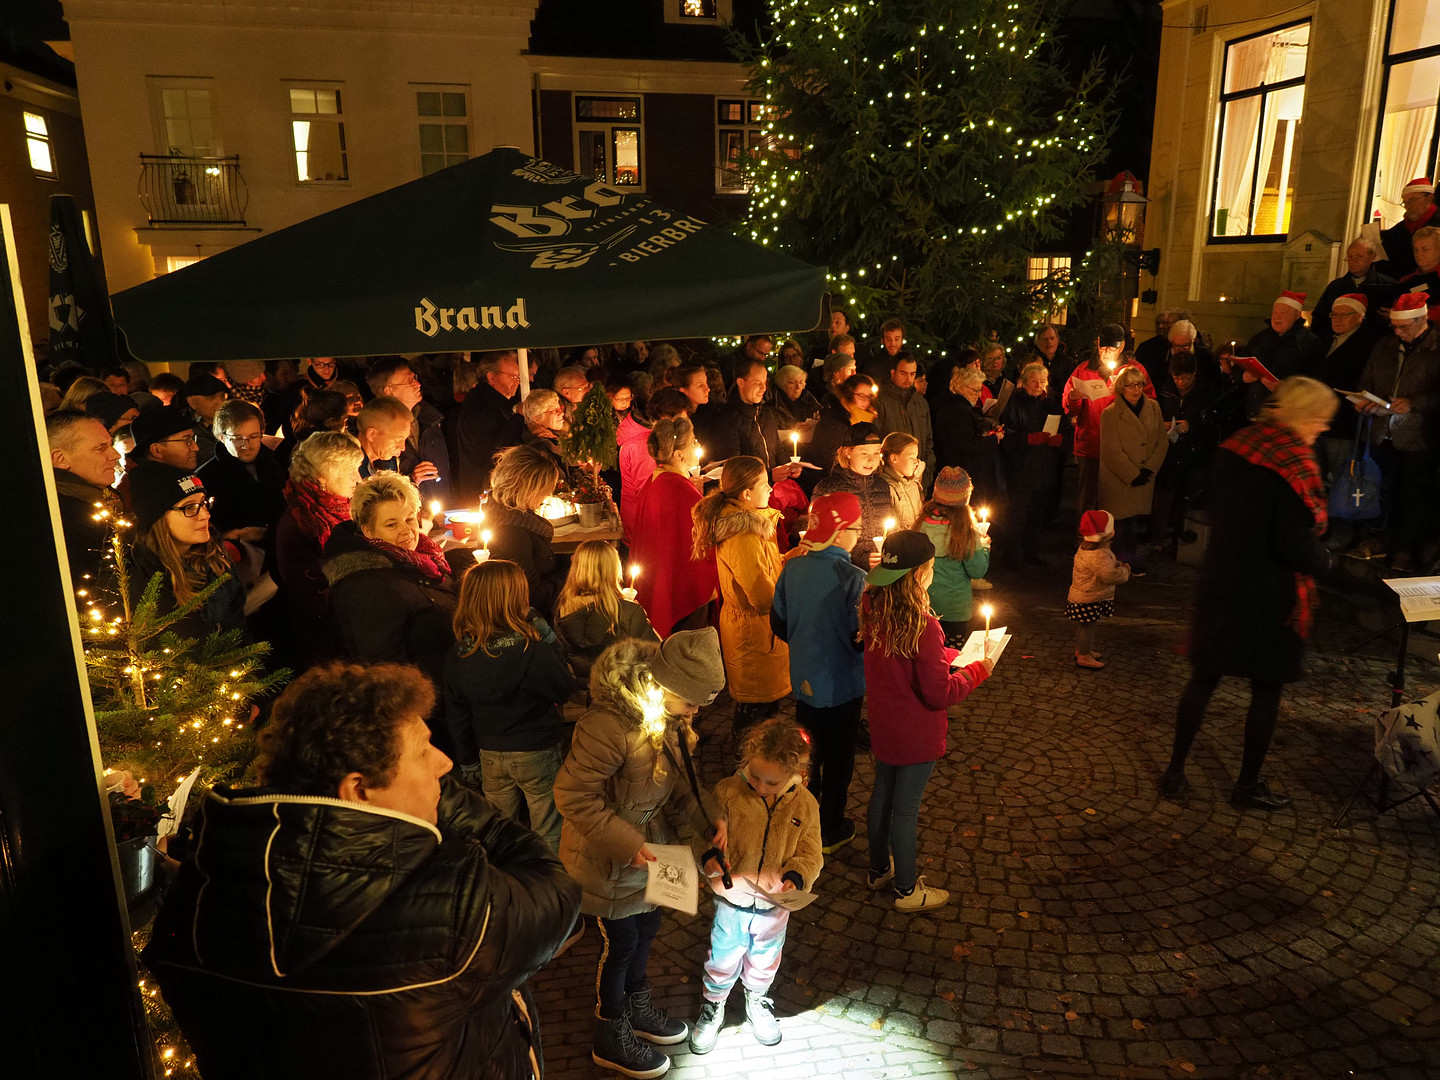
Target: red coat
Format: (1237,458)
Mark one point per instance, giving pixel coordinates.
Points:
(911,727)
(671,584)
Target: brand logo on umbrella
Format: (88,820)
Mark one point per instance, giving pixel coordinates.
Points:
(59,260)
(430,320)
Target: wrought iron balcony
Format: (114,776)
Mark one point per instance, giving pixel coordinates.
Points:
(193,190)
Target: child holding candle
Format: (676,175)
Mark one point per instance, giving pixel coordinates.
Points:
(592,612)
(1092,584)
(910,684)
(962,552)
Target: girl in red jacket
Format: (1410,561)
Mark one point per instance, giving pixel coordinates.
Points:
(907,666)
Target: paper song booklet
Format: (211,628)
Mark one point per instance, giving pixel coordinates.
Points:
(976,647)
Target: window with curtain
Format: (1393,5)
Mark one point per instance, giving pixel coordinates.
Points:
(1262,100)
(317,127)
(1406,137)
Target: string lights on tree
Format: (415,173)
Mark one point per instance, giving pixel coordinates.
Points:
(922,149)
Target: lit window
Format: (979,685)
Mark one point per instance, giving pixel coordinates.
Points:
(37,141)
(1050,271)
(1404,145)
(179,262)
(444,128)
(1261,102)
(609,134)
(740,134)
(697,9)
(317,126)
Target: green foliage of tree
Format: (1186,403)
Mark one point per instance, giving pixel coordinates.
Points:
(922,149)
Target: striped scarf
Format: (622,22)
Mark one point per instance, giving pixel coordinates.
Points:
(1282,452)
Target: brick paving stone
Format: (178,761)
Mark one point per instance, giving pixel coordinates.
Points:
(1303,951)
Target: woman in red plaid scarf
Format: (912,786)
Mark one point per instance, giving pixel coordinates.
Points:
(1255,597)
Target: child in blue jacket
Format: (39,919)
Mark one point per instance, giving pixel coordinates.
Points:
(816,611)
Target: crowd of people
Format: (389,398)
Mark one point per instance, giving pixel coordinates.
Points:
(862,502)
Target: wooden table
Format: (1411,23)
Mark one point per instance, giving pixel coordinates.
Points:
(568,537)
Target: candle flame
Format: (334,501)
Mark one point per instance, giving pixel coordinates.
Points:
(889,524)
(435,508)
(485,539)
(984,513)
(634,572)
(987,610)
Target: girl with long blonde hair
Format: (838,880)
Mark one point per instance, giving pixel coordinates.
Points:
(592,612)
(504,682)
(907,668)
(736,526)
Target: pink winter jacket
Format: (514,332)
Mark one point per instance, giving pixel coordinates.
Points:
(916,691)
(636,467)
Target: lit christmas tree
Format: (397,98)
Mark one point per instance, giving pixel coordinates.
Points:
(922,149)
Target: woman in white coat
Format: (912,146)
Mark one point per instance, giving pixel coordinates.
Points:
(1133,442)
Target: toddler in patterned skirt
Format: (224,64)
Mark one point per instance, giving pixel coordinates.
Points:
(1092,584)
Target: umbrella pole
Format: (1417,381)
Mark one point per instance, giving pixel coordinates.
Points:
(524,373)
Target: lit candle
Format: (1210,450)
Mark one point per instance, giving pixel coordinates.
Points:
(984,513)
(889,524)
(1110,364)
(983,525)
(987,611)
(795,448)
(484,552)
(435,508)
(634,573)
(629,592)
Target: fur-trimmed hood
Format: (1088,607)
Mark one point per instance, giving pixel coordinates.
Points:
(736,519)
(341,566)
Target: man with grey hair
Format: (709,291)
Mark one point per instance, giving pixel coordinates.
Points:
(1360,273)
(488,423)
(1153,354)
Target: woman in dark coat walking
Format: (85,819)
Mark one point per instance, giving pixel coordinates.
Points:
(1255,597)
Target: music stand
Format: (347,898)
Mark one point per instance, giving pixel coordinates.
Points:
(1406,736)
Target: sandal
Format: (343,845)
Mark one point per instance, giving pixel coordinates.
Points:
(1087,660)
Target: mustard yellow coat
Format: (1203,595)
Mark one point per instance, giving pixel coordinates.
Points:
(757,663)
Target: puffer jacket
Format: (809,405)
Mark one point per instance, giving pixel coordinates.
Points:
(306,936)
(1094,576)
(875,506)
(951,596)
(757,663)
(616,791)
(586,633)
(527,539)
(763,837)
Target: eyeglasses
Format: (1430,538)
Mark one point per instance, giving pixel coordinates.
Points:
(191,510)
(243,440)
(189,440)
(412,381)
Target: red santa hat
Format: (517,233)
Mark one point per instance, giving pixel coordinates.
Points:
(1096,525)
(1411,305)
(1351,301)
(1292,299)
(1421,184)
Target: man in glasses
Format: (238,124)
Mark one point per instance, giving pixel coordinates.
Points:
(488,423)
(425,458)
(244,477)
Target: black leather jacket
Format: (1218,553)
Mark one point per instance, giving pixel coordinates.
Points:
(308,937)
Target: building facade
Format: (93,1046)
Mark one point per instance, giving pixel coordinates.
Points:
(210,122)
(1281,131)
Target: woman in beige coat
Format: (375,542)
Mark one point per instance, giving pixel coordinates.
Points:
(627,783)
(1133,442)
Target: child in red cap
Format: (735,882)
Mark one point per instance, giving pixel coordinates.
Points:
(1092,584)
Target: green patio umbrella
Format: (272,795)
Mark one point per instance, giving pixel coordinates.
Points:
(503,251)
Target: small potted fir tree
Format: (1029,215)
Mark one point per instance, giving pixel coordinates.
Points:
(589,446)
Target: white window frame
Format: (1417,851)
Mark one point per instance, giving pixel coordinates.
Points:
(675,14)
(1040,267)
(156,85)
(442,121)
(337,118)
(38,140)
(609,127)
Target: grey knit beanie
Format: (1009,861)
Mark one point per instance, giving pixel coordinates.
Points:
(689,665)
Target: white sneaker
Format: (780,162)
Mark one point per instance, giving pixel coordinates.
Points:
(923,897)
(980,584)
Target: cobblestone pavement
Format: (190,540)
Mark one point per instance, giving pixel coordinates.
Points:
(1097,930)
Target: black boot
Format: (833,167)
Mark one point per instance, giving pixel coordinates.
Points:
(616,1047)
(648,1022)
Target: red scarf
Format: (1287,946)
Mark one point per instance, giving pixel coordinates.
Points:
(427,558)
(1282,452)
(317,511)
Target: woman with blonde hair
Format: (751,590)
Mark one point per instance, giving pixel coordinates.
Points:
(504,681)
(591,614)
(523,478)
(79,391)
(674,587)
(393,590)
(907,674)
(735,526)
(902,469)
(1255,595)
(174,539)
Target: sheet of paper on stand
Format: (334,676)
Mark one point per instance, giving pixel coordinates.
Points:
(674,879)
(1052,424)
(1419,597)
(790,900)
(975,647)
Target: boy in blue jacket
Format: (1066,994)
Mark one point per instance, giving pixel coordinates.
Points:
(816,612)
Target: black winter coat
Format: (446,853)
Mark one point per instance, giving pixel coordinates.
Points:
(585,633)
(243,500)
(524,537)
(308,937)
(1260,537)
(1290,353)
(1029,468)
(224,610)
(85,538)
(509,701)
(1341,370)
(739,428)
(487,422)
(828,436)
(961,439)
(875,506)
(388,612)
